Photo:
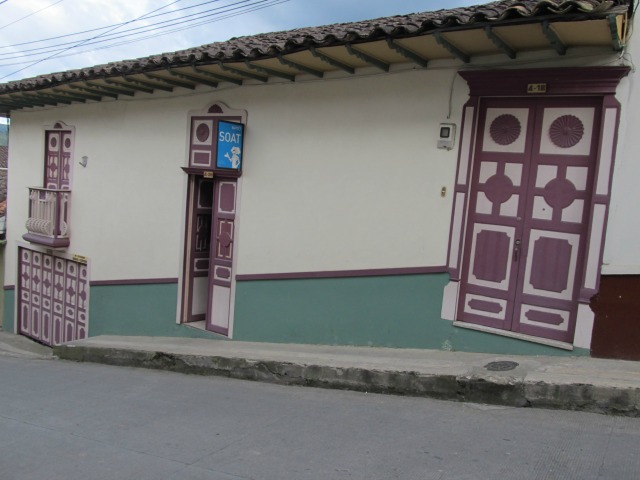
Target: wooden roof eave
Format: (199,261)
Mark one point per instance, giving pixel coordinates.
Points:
(452,42)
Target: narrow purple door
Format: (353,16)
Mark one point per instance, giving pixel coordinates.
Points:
(222,239)
(58,149)
(197,251)
(528,214)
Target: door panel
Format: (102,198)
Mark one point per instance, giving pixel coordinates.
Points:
(196,283)
(528,215)
(58,159)
(222,240)
(53,298)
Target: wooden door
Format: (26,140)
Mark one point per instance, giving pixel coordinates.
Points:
(198,246)
(221,260)
(528,214)
(53,298)
(57,174)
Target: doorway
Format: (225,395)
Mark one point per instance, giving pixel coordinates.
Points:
(208,263)
(529,213)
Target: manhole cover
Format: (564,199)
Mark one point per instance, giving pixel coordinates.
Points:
(500,366)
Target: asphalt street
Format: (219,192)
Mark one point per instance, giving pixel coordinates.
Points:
(67,421)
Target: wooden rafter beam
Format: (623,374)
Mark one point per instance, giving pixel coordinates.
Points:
(300,67)
(193,78)
(114,87)
(616,41)
(406,53)
(53,99)
(19,102)
(137,83)
(367,58)
(332,61)
(554,39)
(243,73)
(270,71)
(170,81)
(96,91)
(76,96)
(443,42)
(130,85)
(217,76)
(498,42)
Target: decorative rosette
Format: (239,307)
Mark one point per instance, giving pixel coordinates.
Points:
(202,132)
(566,131)
(505,129)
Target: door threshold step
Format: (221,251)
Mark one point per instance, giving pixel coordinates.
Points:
(519,336)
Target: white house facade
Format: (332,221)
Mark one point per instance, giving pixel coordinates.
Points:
(460,180)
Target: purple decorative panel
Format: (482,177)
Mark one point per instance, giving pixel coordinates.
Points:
(491,256)
(497,188)
(566,131)
(53,298)
(224,239)
(539,316)
(485,306)
(550,264)
(227,197)
(559,193)
(58,161)
(505,129)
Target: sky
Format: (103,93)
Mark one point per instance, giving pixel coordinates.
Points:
(94,32)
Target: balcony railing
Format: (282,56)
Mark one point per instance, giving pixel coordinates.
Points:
(48,222)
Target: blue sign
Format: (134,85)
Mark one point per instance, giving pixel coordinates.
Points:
(230,136)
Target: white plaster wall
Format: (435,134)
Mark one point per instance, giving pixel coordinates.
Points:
(622,245)
(338,174)
(345,175)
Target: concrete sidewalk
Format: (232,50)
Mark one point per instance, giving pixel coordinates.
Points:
(572,383)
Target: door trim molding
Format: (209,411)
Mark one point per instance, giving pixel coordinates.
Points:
(599,82)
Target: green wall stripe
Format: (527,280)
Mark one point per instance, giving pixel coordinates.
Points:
(390,311)
(397,311)
(138,310)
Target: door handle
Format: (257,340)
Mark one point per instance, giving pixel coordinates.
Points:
(516,250)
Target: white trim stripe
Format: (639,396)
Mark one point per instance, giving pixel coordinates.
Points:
(456,231)
(595,244)
(606,151)
(465,149)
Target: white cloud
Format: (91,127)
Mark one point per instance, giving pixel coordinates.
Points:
(69,16)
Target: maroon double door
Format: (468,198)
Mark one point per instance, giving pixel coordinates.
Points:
(529,212)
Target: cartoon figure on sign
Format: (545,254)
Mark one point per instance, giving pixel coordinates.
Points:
(235,157)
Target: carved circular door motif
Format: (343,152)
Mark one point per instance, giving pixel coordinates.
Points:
(559,193)
(498,188)
(67,143)
(225,239)
(53,141)
(566,131)
(202,132)
(505,129)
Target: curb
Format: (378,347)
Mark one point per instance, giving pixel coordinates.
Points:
(495,390)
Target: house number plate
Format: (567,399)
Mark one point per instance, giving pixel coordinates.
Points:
(537,88)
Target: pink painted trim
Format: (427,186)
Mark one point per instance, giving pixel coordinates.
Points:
(560,81)
(136,281)
(46,241)
(380,272)
(608,102)
(473,102)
